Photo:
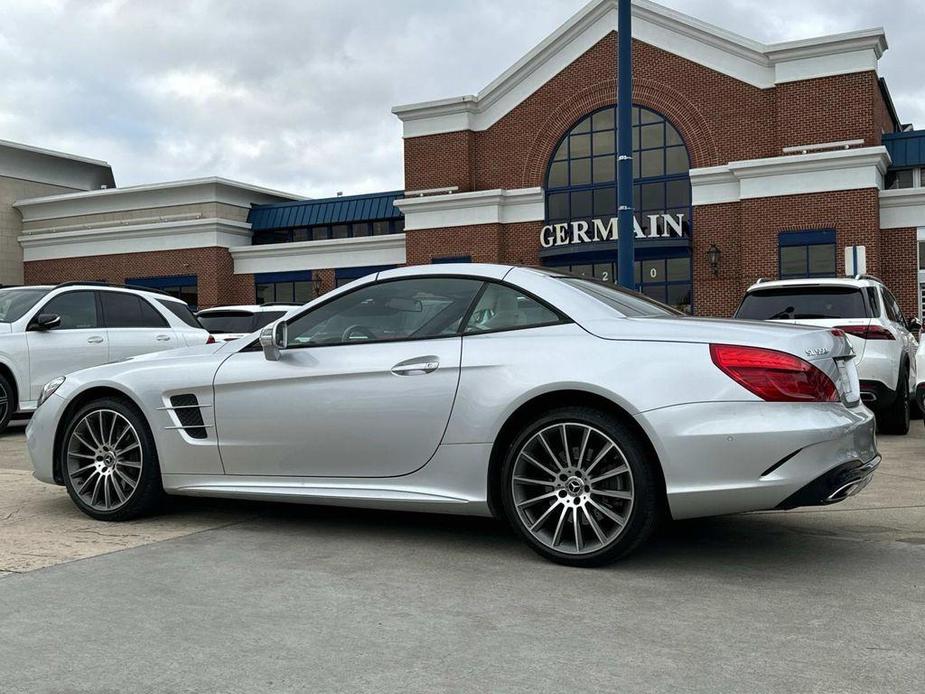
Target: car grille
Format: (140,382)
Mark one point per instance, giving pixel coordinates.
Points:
(186,407)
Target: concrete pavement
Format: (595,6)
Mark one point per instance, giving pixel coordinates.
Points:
(287,598)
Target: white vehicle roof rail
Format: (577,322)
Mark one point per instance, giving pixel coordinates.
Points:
(868,277)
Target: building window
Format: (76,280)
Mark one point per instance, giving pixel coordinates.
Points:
(807,254)
(321,232)
(582,179)
(345,275)
(902,178)
(452,259)
(284,287)
(581,185)
(185,287)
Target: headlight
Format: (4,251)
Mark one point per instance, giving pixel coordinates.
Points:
(49,389)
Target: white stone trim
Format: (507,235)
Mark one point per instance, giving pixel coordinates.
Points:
(114,200)
(752,62)
(141,238)
(818,172)
(28,163)
(478,207)
(903,208)
(316,255)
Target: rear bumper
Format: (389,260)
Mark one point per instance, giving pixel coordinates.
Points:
(732,457)
(835,485)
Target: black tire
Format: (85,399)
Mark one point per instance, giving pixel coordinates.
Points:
(894,419)
(645,508)
(8,402)
(148,493)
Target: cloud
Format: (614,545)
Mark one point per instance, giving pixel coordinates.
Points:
(296,95)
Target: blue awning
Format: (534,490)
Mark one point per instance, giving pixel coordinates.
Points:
(907,149)
(340,210)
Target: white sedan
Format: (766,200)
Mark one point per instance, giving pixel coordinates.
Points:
(579,411)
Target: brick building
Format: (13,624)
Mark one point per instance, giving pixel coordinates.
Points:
(750,160)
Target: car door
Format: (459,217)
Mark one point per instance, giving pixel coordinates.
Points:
(78,342)
(364,388)
(134,325)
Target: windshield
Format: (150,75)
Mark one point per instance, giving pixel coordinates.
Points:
(15,302)
(627,303)
(227,321)
(803,303)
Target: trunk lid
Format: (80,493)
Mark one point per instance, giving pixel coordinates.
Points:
(833,354)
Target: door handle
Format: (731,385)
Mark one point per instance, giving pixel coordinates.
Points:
(94,339)
(163,338)
(418,366)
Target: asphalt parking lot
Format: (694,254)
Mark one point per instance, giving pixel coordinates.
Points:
(243,597)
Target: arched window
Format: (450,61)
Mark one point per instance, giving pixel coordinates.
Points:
(581,185)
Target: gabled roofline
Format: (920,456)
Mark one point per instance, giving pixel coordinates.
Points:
(761,65)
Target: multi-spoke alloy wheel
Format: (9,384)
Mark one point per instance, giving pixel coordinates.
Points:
(573,487)
(578,487)
(109,461)
(104,460)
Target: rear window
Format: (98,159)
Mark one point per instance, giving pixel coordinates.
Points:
(625,302)
(266,317)
(803,303)
(181,311)
(227,321)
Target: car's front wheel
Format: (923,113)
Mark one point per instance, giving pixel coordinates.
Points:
(894,419)
(109,461)
(580,487)
(7,403)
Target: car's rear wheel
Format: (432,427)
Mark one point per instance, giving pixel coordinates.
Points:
(894,419)
(109,461)
(580,487)
(8,403)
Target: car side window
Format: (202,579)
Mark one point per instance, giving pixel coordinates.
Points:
(504,308)
(424,307)
(77,310)
(124,310)
(892,308)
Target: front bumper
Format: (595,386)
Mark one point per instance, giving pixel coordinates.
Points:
(40,438)
(732,457)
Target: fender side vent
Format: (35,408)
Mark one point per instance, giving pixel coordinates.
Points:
(186,407)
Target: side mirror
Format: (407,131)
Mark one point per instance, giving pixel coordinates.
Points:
(273,339)
(914,325)
(45,321)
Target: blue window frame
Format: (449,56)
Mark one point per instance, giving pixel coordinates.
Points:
(289,287)
(185,287)
(807,253)
(344,275)
(452,259)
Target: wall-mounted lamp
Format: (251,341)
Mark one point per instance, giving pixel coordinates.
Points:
(713,255)
(316,284)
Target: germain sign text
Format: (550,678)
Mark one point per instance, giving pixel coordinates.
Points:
(565,233)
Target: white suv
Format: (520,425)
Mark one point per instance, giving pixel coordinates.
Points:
(883,340)
(227,323)
(49,331)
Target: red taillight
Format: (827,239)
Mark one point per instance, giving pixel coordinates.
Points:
(211,340)
(774,376)
(868,332)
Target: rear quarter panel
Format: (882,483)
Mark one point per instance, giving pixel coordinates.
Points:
(502,371)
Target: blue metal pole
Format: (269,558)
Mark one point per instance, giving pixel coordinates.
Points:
(625,226)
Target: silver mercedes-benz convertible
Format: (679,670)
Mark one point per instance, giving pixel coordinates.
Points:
(581,412)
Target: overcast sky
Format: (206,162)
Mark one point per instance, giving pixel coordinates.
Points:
(295,94)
